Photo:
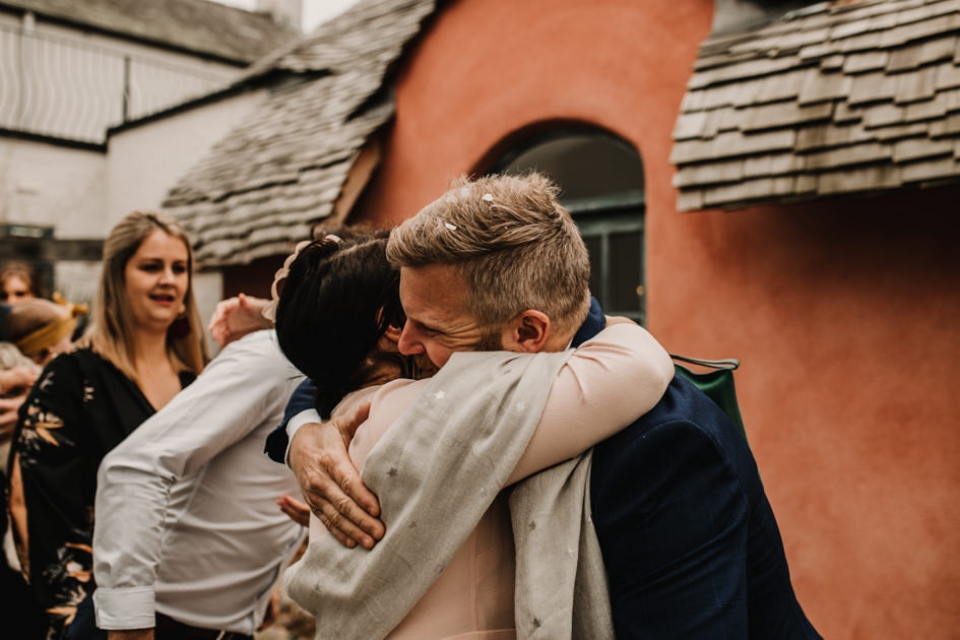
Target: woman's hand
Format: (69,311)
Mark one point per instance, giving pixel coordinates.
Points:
(17,379)
(236,317)
(296,510)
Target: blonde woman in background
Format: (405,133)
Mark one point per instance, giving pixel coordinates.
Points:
(144,345)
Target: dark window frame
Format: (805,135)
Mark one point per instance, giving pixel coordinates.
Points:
(600,217)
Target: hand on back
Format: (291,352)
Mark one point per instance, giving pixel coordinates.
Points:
(330,482)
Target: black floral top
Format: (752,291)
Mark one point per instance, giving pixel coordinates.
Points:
(80,408)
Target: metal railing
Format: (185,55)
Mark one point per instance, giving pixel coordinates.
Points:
(61,88)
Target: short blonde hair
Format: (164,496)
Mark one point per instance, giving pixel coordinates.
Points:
(111,311)
(515,245)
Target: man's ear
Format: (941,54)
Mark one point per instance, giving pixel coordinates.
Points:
(527,332)
(393,333)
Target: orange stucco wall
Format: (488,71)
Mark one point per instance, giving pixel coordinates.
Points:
(844,313)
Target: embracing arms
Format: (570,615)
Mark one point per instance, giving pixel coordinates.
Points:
(605,386)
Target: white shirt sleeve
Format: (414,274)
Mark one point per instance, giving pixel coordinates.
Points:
(223,405)
(307,416)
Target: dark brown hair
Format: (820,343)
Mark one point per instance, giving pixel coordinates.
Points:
(337,301)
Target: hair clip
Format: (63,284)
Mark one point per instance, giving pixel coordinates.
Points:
(487,197)
(450,225)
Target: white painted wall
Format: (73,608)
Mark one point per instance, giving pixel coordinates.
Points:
(145,161)
(65,81)
(52,185)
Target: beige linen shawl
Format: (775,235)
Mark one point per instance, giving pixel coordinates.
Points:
(436,471)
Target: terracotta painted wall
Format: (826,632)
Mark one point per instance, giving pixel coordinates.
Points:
(842,312)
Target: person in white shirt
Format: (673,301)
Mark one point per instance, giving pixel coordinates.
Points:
(189,540)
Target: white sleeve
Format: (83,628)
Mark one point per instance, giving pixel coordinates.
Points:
(609,381)
(226,403)
(307,416)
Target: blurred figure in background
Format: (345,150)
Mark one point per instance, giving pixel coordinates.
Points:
(19,281)
(35,331)
(144,345)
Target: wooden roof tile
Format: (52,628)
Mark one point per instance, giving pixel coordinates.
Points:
(870,106)
(953,100)
(732,144)
(805,184)
(782,86)
(867,153)
(898,132)
(948,76)
(817,51)
(281,170)
(931,109)
(859,179)
(690,200)
(823,87)
(938,50)
(910,32)
(882,115)
(948,127)
(741,71)
(872,87)
(708,174)
(847,29)
(866,61)
(931,169)
(905,58)
(773,164)
(845,114)
(748,190)
(780,114)
(916,86)
(690,125)
(826,136)
(747,92)
(832,63)
(919,148)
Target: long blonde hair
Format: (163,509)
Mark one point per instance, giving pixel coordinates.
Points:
(106,336)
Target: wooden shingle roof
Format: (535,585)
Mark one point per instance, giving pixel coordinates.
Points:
(200,26)
(850,96)
(263,187)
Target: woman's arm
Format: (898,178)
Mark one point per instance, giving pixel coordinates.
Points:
(53,521)
(609,382)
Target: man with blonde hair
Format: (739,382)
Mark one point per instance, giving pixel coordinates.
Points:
(689,541)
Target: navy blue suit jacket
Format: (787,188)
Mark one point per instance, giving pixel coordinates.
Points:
(277,440)
(689,541)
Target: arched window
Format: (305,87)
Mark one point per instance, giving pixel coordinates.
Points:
(601,176)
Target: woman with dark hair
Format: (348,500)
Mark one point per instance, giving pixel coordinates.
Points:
(338,319)
(144,345)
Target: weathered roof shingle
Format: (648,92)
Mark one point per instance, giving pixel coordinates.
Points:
(847,96)
(264,186)
(200,26)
